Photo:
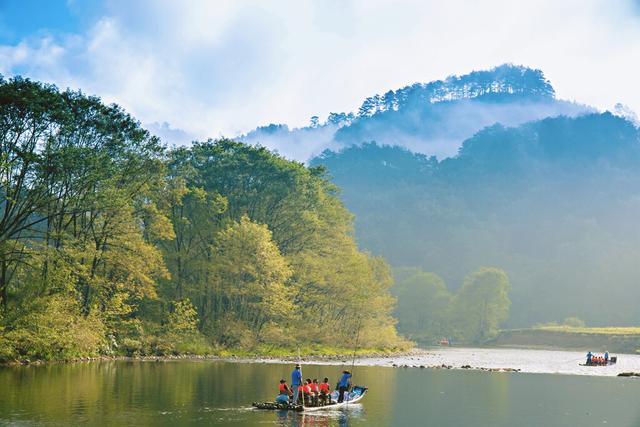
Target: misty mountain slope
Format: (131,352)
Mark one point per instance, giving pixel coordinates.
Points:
(554,202)
(431,118)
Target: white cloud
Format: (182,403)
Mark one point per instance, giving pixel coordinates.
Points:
(221,68)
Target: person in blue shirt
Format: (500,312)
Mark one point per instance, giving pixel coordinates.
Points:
(589,355)
(296,382)
(606,357)
(343,385)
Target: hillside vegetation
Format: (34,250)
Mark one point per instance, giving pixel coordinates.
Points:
(552,202)
(111,244)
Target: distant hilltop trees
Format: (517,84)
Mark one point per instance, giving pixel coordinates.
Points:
(504,79)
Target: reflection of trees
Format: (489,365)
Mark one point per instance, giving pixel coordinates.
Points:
(151,393)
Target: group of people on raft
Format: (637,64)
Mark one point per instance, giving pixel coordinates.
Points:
(598,360)
(310,392)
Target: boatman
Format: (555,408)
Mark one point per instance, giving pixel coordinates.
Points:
(589,356)
(606,357)
(343,385)
(296,382)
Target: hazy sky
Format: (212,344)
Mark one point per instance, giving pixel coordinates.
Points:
(196,69)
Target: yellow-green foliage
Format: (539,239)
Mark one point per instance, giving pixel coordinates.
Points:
(54,328)
(249,275)
(266,253)
(184,318)
(136,250)
(7,352)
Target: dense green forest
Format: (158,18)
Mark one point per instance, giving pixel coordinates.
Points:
(554,203)
(112,244)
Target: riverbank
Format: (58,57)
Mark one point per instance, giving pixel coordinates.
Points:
(514,360)
(565,362)
(333,355)
(620,340)
(443,358)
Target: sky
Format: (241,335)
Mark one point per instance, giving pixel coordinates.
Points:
(204,69)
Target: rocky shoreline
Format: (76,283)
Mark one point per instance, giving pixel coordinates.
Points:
(432,359)
(226,358)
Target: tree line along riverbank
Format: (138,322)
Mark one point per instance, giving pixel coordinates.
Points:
(112,244)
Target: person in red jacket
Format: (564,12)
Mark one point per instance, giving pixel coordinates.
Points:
(325,391)
(315,390)
(308,394)
(284,392)
(283,388)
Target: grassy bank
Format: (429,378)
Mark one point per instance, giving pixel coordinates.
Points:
(616,339)
(627,330)
(209,352)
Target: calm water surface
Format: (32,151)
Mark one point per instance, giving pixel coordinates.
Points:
(199,393)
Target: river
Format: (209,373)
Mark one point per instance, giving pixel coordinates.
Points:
(199,393)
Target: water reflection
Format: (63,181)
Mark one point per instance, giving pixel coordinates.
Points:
(216,393)
(297,419)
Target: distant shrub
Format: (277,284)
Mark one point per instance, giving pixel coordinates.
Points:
(574,322)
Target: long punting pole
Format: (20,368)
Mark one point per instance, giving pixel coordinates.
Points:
(301,378)
(355,349)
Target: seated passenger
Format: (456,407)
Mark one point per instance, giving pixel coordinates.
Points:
(315,390)
(325,391)
(283,388)
(307,393)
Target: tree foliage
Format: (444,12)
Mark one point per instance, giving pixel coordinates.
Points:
(109,243)
(552,202)
(481,305)
(427,311)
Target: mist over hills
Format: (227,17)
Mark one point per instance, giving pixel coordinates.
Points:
(491,169)
(431,118)
(554,202)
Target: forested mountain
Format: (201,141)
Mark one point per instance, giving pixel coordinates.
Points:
(553,202)
(432,118)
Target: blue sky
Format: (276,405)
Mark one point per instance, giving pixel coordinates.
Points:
(197,69)
(20,19)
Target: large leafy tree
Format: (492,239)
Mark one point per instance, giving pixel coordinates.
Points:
(423,304)
(332,282)
(482,304)
(248,279)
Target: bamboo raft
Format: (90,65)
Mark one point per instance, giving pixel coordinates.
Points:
(611,361)
(356,394)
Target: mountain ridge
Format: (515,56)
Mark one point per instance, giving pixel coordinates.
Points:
(432,118)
